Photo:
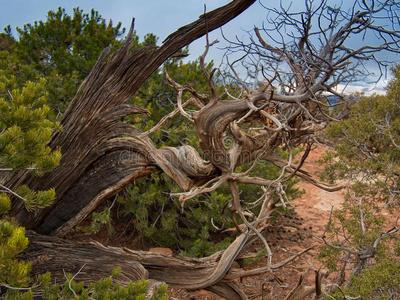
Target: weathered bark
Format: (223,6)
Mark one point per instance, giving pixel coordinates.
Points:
(96,261)
(59,256)
(90,139)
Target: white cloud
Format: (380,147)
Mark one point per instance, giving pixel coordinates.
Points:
(378,88)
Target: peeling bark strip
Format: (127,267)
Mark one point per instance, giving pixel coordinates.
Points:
(91,127)
(55,255)
(49,253)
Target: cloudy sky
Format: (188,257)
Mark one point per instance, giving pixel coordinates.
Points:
(160,17)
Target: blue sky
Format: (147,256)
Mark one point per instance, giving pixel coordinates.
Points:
(160,17)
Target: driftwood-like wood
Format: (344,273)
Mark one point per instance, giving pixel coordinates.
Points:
(101,155)
(95,261)
(59,256)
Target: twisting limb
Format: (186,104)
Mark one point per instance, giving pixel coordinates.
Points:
(237,77)
(304,174)
(209,76)
(390,231)
(170,82)
(72,278)
(253,108)
(300,165)
(236,201)
(180,107)
(360,254)
(180,90)
(242,273)
(191,101)
(9,191)
(217,182)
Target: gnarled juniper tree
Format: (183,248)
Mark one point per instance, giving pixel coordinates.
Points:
(101,154)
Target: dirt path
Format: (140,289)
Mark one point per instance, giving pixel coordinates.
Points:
(315,204)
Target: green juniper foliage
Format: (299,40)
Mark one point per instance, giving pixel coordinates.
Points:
(367,156)
(62,50)
(379,281)
(39,75)
(25,131)
(255,260)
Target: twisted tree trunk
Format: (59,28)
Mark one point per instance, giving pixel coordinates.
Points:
(96,261)
(101,155)
(97,162)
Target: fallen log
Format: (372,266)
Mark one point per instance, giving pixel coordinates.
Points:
(91,261)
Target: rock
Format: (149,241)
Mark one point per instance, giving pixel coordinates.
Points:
(160,250)
(290,228)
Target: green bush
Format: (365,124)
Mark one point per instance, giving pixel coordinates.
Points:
(366,155)
(37,80)
(379,281)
